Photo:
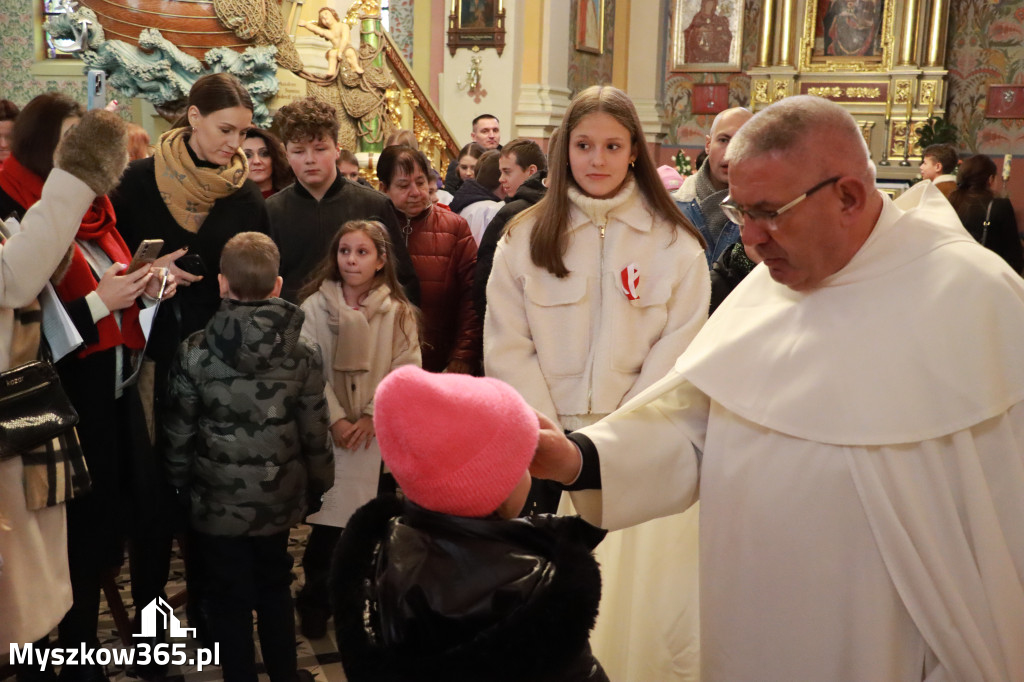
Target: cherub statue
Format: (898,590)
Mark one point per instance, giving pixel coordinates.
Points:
(330,27)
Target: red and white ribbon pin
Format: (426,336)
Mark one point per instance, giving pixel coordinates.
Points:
(629,281)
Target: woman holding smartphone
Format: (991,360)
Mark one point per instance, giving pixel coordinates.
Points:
(104,301)
(193,193)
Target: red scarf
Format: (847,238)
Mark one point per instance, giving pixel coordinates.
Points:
(98,225)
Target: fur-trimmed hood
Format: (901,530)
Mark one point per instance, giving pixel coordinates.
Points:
(406,607)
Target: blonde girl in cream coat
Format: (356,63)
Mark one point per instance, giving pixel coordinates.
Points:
(595,292)
(365,326)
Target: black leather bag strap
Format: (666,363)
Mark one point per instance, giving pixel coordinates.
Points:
(988,221)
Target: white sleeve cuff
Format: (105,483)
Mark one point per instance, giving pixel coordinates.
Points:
(97,307)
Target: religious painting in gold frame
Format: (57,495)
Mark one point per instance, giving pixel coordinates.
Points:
(707,35)
(590,26)
(848,35)
(476,24)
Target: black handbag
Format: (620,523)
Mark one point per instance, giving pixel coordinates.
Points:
(33,408)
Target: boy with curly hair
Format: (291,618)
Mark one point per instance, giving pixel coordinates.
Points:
(306,215)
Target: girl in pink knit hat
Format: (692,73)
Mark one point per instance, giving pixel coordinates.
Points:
(365,326)
(446,584)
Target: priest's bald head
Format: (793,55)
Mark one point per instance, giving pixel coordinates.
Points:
(802,188)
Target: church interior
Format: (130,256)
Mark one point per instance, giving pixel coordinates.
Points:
(957,63)
(911,72)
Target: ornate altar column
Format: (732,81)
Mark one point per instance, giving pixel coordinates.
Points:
(774,76)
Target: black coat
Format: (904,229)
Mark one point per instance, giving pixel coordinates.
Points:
(728,271)
(1002,235)
(420,596)
(470,193)
(528,194)
(303,228)
(142,214)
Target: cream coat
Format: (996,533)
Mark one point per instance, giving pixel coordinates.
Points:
(577,345)
(359,348)
(35,587)
(577,348)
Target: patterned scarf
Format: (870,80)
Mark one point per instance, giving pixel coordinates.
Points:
(98,225)
(189,190)
(710,201)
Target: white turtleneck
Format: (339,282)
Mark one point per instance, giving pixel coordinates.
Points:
(598,210)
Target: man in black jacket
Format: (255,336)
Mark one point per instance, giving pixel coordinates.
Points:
(523,170)
(306,215)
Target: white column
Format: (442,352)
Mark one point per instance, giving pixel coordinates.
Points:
(540,106)
(648,26)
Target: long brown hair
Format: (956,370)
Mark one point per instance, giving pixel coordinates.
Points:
(328,270)
(281,174)
(36,130)
(972,183)
(549,240)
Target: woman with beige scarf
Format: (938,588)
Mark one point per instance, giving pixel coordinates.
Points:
(193,193)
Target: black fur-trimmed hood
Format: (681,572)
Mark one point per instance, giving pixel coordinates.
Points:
(542,637)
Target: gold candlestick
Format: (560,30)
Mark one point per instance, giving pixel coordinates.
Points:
(906,146)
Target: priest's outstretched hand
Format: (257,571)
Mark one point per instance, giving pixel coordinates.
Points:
(557,458)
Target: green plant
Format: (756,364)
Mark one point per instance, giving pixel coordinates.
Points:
(936,130)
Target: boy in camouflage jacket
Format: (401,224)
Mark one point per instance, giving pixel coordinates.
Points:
(248,447)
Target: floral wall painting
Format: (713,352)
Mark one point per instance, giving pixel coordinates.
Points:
(590,26)
(707,35)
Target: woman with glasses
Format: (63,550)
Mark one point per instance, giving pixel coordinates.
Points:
(594,293)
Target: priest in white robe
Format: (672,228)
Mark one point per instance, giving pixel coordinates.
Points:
(851,421)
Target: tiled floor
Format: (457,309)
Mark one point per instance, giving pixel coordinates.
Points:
(320,657)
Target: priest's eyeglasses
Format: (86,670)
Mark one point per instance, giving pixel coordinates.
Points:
(740,215)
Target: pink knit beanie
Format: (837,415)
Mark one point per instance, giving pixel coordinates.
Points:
(670,177)
(456,444)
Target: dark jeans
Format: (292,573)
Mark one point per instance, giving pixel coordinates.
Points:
(313,599)
(242,575)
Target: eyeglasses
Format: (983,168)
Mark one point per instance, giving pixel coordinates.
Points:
(740,215)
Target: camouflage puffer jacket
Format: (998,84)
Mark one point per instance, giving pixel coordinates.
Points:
(246,422)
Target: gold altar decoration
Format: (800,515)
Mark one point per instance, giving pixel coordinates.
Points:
(880,59)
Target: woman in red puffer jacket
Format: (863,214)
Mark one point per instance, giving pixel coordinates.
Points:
(443,254)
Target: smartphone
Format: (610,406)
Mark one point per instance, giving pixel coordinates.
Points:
(96,94)
(147,252)
(192,264)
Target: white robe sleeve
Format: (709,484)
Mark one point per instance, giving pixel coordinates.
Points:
(650,453)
